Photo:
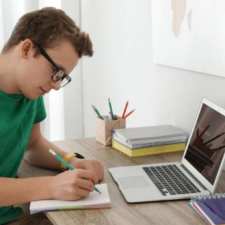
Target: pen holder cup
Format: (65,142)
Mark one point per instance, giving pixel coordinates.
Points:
(104,129)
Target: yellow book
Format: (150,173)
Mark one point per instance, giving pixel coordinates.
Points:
(152,150)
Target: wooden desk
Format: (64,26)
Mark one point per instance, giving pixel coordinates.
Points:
(170,213)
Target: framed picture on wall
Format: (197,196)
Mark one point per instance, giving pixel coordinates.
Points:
(189,34)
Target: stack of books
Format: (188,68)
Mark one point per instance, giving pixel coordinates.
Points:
(141,141)
(211,208)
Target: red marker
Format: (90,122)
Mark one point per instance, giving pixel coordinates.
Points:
(129,113)
(125,109)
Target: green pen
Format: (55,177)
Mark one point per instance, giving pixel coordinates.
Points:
(65,164)
(97,112)
(110,108)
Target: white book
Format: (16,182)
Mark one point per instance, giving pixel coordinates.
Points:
(140,133)
(149,143)
(94,200)
(155,135)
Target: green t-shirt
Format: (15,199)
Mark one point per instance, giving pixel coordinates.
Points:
(18,114)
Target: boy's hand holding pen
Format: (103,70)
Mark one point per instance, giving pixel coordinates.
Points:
(81,180)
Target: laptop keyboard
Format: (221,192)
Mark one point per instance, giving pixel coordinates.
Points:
(170,180)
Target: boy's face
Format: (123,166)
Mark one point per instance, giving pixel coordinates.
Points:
(34,72)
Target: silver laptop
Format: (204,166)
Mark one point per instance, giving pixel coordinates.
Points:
(197,173)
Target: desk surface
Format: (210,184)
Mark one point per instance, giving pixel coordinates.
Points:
(173,212)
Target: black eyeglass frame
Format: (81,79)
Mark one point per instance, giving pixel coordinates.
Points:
(57,69)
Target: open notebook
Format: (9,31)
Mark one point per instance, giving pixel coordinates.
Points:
(94,200)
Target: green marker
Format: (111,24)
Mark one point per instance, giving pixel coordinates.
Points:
(97,112)
(65,164)
(58,157)
(110,108)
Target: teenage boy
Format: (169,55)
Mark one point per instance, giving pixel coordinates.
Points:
(42,50)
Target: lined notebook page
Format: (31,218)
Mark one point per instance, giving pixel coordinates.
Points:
(94,200)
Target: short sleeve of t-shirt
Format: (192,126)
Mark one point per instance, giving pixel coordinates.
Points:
(40,110)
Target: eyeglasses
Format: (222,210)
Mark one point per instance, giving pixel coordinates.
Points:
(58,75)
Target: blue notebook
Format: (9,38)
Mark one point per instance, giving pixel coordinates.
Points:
(210,207)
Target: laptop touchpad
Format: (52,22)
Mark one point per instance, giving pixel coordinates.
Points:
(133,182)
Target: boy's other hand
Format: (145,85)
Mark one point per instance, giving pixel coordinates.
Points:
(93,166)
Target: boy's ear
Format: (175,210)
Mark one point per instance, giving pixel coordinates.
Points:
(27,48)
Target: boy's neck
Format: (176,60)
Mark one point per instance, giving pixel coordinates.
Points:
(8,82)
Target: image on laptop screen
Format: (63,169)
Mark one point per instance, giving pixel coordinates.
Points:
(207,144)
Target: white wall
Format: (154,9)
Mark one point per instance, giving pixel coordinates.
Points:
(73,99)
(122,68)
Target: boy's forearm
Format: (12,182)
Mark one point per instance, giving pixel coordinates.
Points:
(39,155)
(22,190)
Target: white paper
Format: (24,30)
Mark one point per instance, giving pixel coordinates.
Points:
(94,200)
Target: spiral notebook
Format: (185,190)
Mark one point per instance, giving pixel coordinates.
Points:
(94,200)
(210,207)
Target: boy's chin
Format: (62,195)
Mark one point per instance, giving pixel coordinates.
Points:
(32,95)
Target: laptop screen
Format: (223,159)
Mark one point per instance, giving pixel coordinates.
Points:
(207,144)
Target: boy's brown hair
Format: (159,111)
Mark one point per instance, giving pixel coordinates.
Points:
(46,27)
